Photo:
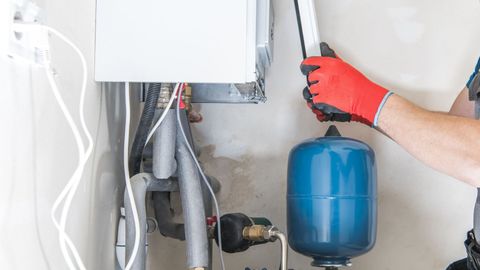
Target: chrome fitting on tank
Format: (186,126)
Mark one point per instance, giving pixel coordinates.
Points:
(271,233)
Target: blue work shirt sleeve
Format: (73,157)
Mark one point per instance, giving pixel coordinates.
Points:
(477,69)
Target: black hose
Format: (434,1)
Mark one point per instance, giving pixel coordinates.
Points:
(164,217)
(143,128)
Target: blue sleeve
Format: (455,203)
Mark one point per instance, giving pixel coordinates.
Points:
(477,69)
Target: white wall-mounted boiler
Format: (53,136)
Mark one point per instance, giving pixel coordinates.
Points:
(220,47)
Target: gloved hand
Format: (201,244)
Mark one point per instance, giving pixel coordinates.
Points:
(339,92)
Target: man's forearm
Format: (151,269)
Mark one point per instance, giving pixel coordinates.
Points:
(462,106)
(448,143)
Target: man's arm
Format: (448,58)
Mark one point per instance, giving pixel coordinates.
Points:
(462,106)
(448,143)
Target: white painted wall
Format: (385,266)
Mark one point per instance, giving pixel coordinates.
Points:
(423,50)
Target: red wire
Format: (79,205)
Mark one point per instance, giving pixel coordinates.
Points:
(179,95)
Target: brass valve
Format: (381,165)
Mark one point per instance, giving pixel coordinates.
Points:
(260,233)
(187,97)
(164,95)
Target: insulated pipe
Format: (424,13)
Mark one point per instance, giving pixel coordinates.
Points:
(141,183)
(164,164)
(192,203)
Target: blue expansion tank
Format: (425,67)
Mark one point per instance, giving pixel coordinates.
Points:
(332,199)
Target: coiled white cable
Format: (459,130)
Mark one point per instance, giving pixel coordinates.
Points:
(67,192)
(70,188)
(204,178)
(164,114)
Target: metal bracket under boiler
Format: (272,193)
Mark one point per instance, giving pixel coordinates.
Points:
(253,92)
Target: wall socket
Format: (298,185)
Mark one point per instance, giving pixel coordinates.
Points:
(21,42)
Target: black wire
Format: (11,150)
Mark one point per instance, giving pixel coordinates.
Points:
(300,29)
(143,128)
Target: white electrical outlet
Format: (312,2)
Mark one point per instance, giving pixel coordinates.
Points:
(20,41)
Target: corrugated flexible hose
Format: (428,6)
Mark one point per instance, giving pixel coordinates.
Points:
(143,128)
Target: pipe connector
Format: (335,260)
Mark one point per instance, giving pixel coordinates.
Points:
(187,97)
(164,96)
(260,233)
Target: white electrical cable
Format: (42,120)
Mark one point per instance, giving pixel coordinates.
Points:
(88,151)
(204,178)
(128,184)
(164,114)
(83,154)
(75,178)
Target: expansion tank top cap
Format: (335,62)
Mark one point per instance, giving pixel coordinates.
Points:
(332,131)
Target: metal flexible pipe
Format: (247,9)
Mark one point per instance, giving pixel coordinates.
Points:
(284,246)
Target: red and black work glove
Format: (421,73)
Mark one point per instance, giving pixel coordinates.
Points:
(336,91)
